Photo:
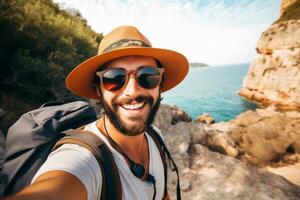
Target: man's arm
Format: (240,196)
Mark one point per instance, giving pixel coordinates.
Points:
(70,172)
(53,185)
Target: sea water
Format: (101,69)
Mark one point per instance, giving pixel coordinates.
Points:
(211,90)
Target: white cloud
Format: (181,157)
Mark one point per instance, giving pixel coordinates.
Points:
(215,32)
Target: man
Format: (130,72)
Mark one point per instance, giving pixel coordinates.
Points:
(128,76)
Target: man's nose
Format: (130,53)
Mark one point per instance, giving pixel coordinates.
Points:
(132,88)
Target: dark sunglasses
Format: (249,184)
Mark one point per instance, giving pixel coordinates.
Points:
(115,78)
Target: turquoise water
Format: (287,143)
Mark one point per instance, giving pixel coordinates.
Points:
(212,90)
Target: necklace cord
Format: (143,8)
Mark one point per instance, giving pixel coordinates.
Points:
(149,177)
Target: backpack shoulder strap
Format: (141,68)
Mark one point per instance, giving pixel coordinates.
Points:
(165,155)
(156,138)
(111,183)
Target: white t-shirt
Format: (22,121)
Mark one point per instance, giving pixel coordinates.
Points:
(81,163)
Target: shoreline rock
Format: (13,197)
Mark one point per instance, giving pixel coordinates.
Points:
(263,137)
(274,75)
(210,162)
(205,118)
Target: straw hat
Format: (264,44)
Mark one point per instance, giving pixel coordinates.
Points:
(126,41)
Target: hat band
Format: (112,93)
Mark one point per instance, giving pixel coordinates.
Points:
(126,43)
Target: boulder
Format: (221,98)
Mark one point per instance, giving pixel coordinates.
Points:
(267,136)
(163,118)
(216,138)
(220,142)
(205,118)
(170,115)
(179,115)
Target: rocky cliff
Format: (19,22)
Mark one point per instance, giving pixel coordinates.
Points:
(210,159)
(274,75)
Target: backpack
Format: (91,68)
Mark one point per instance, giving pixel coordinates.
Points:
(38,132)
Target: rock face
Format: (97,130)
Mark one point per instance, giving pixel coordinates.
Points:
(205,174)
(289,9)
(267,136)
(215,176)
(261,137)
(274,75)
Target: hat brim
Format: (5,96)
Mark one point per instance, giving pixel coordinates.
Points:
(80,79)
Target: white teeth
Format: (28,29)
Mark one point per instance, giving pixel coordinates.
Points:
(133,106)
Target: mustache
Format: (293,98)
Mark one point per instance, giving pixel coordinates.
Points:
(139,99)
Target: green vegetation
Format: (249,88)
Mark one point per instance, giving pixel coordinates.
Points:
(39,45)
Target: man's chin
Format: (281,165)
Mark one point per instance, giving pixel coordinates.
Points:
(133,126)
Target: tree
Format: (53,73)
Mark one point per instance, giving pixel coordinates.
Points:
(39,45)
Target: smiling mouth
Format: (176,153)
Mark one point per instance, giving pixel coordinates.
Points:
(133,106)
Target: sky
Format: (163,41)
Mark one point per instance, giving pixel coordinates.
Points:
(215,32)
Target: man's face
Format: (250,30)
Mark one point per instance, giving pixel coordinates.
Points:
(131,108)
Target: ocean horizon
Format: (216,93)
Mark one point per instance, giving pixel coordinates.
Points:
(211,90)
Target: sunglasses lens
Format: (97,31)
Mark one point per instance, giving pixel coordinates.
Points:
(114,79)
(148,77)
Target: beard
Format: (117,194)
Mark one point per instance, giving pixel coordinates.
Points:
(125,128)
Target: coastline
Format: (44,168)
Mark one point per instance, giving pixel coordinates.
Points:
(211,90)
